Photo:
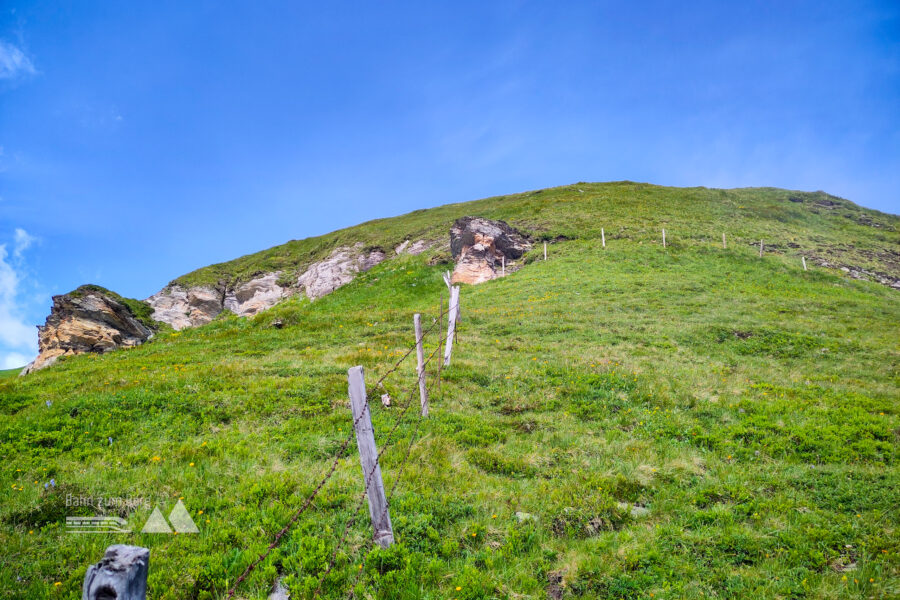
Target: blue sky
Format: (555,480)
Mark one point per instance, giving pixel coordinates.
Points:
(139,141)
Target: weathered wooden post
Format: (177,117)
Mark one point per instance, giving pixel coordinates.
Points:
(121,574)
(368,458)
(545,250)
(664,238)
(760,248)
(452,314)
(603,237)
(503,266)
(803,258)
(440,338)
(724,245)
(420,369)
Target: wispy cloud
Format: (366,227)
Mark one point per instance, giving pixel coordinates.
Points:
(22,240)
(17,337)
(13,62)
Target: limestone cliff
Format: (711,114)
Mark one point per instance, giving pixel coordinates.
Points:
(90,319)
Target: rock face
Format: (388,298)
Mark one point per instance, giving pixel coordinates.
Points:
(416,248)
(478,246)
(86,321)
(247,299)
(186,307)
(338,269)
(183,307)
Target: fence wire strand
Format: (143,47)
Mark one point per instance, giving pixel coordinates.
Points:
(368,480)
(337,458)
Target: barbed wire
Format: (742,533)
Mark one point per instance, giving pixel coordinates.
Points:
(331,470)
(387,505)
(368,479)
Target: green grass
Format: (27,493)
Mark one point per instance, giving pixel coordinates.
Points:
(750,408)
(819,225)
(9,373)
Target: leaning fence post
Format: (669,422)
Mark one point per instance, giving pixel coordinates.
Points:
(420,368)
(368,458)
(452,314)
(803,258)
(603,237)
(120,574)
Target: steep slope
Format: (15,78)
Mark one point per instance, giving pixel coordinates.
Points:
(615,422)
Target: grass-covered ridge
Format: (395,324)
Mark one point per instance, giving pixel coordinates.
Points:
(746,408)
(812,223)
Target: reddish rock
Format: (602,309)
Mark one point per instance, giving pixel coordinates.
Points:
(479,246)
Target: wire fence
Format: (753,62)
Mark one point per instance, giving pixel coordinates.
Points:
(385,444)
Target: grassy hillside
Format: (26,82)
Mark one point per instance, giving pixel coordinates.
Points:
(816,224)
(9,373)
(746,408)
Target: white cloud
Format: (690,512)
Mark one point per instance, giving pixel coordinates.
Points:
(16,336)
(13,62)
(22,240)
(14,360)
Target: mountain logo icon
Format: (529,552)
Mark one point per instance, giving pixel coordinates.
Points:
(179,518)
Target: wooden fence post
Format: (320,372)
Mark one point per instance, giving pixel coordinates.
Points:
(545,250)
(120,574)
(452,314)
(503,266)
(760,248)
(368,458)
(803,258)
(603,237)
(724,245)
(664,238)
(420,369)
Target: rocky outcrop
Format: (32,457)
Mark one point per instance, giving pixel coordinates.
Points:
(247,299)
(479,245)
(182,307)
(86,320)
(338,269)
(414,248)
(187,307)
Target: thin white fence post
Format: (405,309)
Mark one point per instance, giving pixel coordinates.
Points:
(368,458)
(760,248)
(452,314)
(664,238)
(545,250)
(503,266)
(803,258)
(603,237)
(420,369)
(724,245)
